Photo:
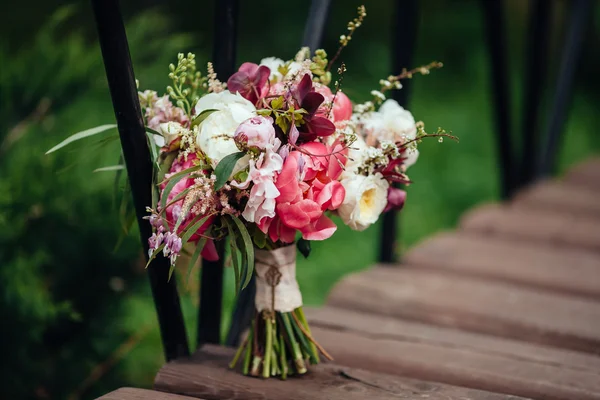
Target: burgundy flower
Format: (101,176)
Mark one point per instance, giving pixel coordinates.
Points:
(251,81)
(310,100)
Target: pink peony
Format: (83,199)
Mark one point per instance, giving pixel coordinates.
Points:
(256,133)
(342,107)
(308,187)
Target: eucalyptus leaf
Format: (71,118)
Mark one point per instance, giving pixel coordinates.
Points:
(110,168)
(82,135)
(202,116)
(234,255)
(225,168)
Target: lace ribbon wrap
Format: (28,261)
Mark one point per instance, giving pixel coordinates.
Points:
(277,269)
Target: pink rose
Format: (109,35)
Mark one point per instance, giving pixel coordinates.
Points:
(255,133)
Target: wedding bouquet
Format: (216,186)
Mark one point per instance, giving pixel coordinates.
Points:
(262,161)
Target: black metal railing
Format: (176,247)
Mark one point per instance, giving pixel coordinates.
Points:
(538,153)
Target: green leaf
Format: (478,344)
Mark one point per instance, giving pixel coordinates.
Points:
(236,263)
(153,150)
(277,103)
(154,254)
(192,227)
(176,199)
(247,250)
(152,131)
(202,116)
(195,256)
(82,135)
(225,168)
(172,181)
(304,247)
(110,168)
(165,162)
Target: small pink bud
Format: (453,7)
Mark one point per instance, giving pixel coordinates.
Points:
(255,133)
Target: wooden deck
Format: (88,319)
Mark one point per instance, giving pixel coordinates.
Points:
(507,306)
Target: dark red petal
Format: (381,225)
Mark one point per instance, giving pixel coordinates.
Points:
(311,102)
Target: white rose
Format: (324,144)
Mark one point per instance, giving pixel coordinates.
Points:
(273,63)
(170,131)
(366,198)
(215,138)
(399,124)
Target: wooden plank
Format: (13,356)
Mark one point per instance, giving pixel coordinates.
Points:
(565,270)
(473,304)
(206,375)
(585,174)
(551,228)
(142,394)
(559,197)
(427,352)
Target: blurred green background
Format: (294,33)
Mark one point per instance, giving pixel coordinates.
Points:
(77,316)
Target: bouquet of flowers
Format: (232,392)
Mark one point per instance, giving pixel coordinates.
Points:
(262,161)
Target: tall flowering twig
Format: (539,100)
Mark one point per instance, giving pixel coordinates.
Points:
(345,39)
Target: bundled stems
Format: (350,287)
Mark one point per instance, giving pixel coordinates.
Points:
(278,344)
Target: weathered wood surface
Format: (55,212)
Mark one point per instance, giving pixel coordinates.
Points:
(560,197)
(473,304)
(454,357)
(535,226)
(206,375)
(586,174)
(142,394)
(571,271)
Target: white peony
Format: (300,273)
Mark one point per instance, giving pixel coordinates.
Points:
(411,157)
(273,63)
(366,198)
(215,138)
(357,154)
(391,123)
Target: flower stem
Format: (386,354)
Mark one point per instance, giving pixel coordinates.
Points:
(298,360)
(238,354)
(248,352)
(299,313)
(283,358)
(268,347)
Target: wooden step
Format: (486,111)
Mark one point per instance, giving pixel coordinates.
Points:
(473,304)
(586,174)
(142,394)
(535,226)
(206,375)
(427,352)
(565,270)
(559,197)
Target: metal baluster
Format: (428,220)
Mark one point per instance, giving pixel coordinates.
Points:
(244,307)
(211,288)
(496,38)
(580,14)
(315,24)
(121,82)
(537,56)
(403,47)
